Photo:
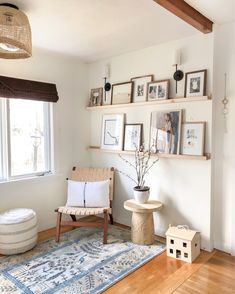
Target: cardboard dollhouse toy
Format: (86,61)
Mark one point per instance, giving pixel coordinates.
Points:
(182,243)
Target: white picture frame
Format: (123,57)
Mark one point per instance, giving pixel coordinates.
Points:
(193,138)
(165,131)
(96,97)
(112,131)
(132,137)
(140,88)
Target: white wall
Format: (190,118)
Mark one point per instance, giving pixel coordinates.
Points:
(44,194)
(184,186)
(224,143)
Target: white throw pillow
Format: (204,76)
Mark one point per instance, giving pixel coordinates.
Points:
(75,193)
(97,194)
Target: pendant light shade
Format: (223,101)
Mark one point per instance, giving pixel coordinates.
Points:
(15,33)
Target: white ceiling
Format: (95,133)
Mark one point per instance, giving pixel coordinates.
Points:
(96,29)
(219,11)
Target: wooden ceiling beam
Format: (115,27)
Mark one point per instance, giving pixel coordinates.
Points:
(187,13)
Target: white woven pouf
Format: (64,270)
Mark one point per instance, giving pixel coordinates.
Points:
(18,231)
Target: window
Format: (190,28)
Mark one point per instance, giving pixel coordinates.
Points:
(1,151)
(178,253)
(25,138)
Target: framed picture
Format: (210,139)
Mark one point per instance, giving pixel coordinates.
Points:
(133,136)
(140,88)
(193,138)
(165,128)
(122,93)
(112,131)
(96,97)
(195,83)
(158,90)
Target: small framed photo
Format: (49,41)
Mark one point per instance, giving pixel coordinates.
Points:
(96,97)
(193,138)
(165,130)
(195,83)
(140,88)
(133,136)
(122,93)
(158,90)
(112,131)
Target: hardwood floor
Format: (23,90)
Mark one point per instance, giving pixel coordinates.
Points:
(212,273)
(217,275)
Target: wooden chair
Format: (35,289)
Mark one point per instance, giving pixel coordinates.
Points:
(88,175)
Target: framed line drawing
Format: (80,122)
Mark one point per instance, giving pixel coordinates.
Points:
(165,130)
(133,136)
(140,87)
(193,138)
(112,131)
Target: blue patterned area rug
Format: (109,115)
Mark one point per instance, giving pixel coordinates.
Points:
(80,263)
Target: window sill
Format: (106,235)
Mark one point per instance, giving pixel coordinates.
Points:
(31,178)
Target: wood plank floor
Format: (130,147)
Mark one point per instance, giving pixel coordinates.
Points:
(212,273)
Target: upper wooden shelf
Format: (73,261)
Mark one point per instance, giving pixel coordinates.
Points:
(149,103)
(160,155)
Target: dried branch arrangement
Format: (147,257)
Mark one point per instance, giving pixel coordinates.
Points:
(141,165)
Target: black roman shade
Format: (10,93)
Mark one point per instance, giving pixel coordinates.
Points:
(26,89)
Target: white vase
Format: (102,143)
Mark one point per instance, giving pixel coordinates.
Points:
(141,194)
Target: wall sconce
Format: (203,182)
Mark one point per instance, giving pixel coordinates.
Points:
(106,75)
(178,75)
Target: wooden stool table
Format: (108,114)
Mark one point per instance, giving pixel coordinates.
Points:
(142,229)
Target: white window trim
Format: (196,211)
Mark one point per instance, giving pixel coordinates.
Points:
(6,147)
(1,143)
(4,140)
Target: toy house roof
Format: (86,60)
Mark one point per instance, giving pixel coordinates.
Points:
(181,233)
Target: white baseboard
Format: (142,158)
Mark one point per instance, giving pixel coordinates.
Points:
(223,247)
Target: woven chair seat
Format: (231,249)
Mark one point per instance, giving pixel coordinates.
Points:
(83,210)
(88,175)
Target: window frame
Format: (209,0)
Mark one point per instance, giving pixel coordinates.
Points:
(1,142)
(5,141)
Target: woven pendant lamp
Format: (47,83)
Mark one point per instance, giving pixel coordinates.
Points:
(15,33)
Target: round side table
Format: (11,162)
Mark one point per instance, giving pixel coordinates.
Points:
(142,229)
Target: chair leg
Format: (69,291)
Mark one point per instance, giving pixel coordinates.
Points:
(73,217)
(105,227)
(111,218)
(59,215)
